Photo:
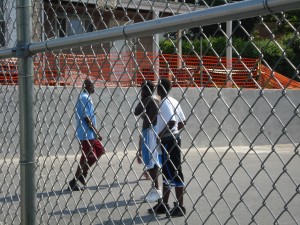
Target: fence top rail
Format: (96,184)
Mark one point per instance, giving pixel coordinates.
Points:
(213,15)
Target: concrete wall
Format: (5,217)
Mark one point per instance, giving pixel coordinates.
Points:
(229,117)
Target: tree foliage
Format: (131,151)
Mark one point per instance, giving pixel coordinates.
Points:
(251,38)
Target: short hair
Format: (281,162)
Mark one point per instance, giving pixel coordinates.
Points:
(165,85)
(148,87)
(87,82)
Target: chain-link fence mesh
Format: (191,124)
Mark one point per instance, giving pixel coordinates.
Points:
(236,81)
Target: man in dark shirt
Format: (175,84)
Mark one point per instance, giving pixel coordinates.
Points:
(148,108)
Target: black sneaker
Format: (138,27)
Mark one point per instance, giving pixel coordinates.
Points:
(159,208)
(177,211)
(82,180)
(73,186)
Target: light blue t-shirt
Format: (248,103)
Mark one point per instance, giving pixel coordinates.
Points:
(85,108)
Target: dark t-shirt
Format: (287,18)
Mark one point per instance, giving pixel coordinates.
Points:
(151,106)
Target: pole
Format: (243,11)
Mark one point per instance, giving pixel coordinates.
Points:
(201,61)
(207,16)
(25,71)
(179,47)
(229,54)
(155,47)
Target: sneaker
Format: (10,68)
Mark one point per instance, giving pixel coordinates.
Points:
(153,195)
(160,208)
(177,211)
(82,180)
(73,186)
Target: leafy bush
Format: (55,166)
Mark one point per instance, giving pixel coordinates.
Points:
(167,47)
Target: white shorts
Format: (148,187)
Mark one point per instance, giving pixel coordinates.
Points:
(149,148)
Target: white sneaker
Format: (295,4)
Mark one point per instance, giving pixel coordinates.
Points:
(153,195)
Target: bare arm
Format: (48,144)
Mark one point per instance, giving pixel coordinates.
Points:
(141,106)
(167,129)
(169,126)
(181,125)
(139,153)
(92,126)
(138,109)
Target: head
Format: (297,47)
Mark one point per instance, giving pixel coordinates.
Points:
(147,88)
(88,86)
(164,87)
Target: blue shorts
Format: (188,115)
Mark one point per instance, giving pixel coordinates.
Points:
(150,156)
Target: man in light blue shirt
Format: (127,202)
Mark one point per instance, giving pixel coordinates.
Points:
(84,111)
(88,135)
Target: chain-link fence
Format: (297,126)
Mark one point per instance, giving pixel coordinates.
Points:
(234,67)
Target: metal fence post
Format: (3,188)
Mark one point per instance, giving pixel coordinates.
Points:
(25,71)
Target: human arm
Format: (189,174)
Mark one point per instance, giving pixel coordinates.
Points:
(142,105)
(138,109)
(139,153)
(181,124)
(166,129)
(181,117)
(92,126)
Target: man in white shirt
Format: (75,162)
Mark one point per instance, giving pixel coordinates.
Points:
(170,121)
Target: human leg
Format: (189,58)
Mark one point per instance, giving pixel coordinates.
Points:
(175,175)
(146,175)
(162,206)
(91,152)
(73,186)
(84,163)
(151,161)
(154,176)
(81,173)
(155,193)
(166,193)
(179,191)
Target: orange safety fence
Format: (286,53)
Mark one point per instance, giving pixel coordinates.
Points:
(9,72)
(213,71)
(130,69)
(272,79)
(69,69)
(126,69)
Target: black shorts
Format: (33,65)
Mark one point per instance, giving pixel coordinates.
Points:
(171,161)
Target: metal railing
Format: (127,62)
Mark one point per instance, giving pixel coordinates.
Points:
(240,146)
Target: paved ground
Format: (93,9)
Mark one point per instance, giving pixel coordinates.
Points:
(224,186)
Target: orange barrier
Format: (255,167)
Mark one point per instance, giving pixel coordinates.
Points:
(209,71)
(9,72)
(126,69)
(130,69)
(274,80)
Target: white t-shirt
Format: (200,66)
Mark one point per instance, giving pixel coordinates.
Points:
(169,110)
